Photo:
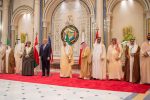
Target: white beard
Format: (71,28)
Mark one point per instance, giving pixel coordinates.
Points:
(133,48)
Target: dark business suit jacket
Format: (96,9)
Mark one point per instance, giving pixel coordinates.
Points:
(45,52)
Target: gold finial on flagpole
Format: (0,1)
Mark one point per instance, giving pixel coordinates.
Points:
(97,28)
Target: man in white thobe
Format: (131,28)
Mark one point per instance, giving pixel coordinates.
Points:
(2,54)
(145,61)
(7,58)
(132,62)
(99,60)
(114,61)
(19,49)
(66,61)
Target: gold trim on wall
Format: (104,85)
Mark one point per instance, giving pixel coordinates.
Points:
(149,25)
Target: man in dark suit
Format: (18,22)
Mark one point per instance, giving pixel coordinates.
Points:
(45,57)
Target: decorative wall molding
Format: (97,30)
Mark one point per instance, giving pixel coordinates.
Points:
(19,12)
(51,22)
(112,3)
(52,4)
(110,6)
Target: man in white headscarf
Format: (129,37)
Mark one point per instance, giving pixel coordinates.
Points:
(132,62)
(19,49)
(145,61)
(9,60)
(114,60)
(99,60)
(85,61)
(2,57)
(66,61)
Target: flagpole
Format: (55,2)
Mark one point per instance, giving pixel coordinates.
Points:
(97,28)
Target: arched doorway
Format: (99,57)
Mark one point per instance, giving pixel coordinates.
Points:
(22,23)
(123,14)
(69,12)
(121,21)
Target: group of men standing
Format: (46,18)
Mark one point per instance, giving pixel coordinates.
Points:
(17,61)
(7,60)
(25,60)
(97,64)
(137,62)
(20,60)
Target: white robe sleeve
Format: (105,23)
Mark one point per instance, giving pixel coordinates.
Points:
(142,52)
(108,53)
(148,53)
(103,52)
(121,51)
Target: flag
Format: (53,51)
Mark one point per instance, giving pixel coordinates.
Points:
(51,51)
(36,54)
(96,35)
(67,39)
(82,40)
(8,42)
(75,34)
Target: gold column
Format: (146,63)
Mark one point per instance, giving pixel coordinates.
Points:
(109,20)
(36,17)
(5,21)
(99,16)
(13,36)
(44,29)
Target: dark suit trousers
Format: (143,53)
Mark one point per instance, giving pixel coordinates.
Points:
(45,67)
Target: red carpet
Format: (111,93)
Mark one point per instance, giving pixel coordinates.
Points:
(75,82)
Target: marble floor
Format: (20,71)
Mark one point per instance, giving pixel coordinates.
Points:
(15,90)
